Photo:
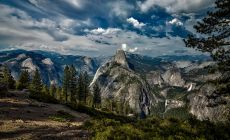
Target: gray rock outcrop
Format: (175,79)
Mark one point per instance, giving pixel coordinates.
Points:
(206,105)
(118,82)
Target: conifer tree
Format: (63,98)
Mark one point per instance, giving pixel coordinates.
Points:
(59,93)
(8,78)
(36,85)
(73,83)
(80,88)
(45,89)
(53,90)
(24,80)
(65,83)
(86,86)
(96,96)
(3,87)
(214,33)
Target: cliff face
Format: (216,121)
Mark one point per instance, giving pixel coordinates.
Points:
(187,86)
(121,84)
(206,105)
(120,58)
(50,65)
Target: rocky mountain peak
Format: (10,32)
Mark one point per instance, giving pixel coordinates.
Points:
(120,58)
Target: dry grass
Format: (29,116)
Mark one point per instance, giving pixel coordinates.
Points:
(23,118)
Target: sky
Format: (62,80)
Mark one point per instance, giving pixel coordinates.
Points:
(100,27)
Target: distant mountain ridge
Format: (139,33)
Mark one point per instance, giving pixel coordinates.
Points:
(51,64)
(164,86)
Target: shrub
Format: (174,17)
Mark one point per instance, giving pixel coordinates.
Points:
(42,97)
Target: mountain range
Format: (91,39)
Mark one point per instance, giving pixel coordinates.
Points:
(163,86)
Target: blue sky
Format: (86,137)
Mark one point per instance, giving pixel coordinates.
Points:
(99,27)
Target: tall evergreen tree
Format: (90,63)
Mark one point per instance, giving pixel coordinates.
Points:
(80,88)
(8,78)
(24,80)
(73,83)
(214,38)
(96,95)
(36,85)
(3,86)
(45,89)
(59,93)
(65,83)
(86,85)
(53,90)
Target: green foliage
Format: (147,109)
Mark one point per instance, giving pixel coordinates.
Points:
(89,100)
(45,89)
(80,88)
(176,93)
(181,113)
(3,86)
(96,96)
(62,116)
(65,83)
(155,128)
(36,85)
(99,114)
(59,95)
(53,90)
(214,35)
(72,83)
(43,97)
(86,85)
(24,80)
(8,78)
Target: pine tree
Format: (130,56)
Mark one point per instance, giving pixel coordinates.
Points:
(45,89)
(73,83)
(59,93)
(96,96)
(214,35)
(36,85)
(86,86)
(3,87)
(8,78)
(53,90)
(80,88)
(24,80)
(65,83)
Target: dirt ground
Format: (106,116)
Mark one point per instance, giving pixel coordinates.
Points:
(24,118)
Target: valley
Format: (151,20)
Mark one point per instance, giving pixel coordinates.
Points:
(166,86)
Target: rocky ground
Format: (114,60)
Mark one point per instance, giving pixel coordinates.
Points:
(24,118)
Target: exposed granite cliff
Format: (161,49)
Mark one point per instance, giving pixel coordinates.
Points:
(206,105)
(120,83)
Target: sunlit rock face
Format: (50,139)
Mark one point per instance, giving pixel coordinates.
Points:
(173,77)
(154,78)
(121,84)
(29,65)
(206,105)
(120,58)
(47,61)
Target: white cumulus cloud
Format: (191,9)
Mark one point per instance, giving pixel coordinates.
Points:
(101,31)
(135,23)
(175,21)
(126,48)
